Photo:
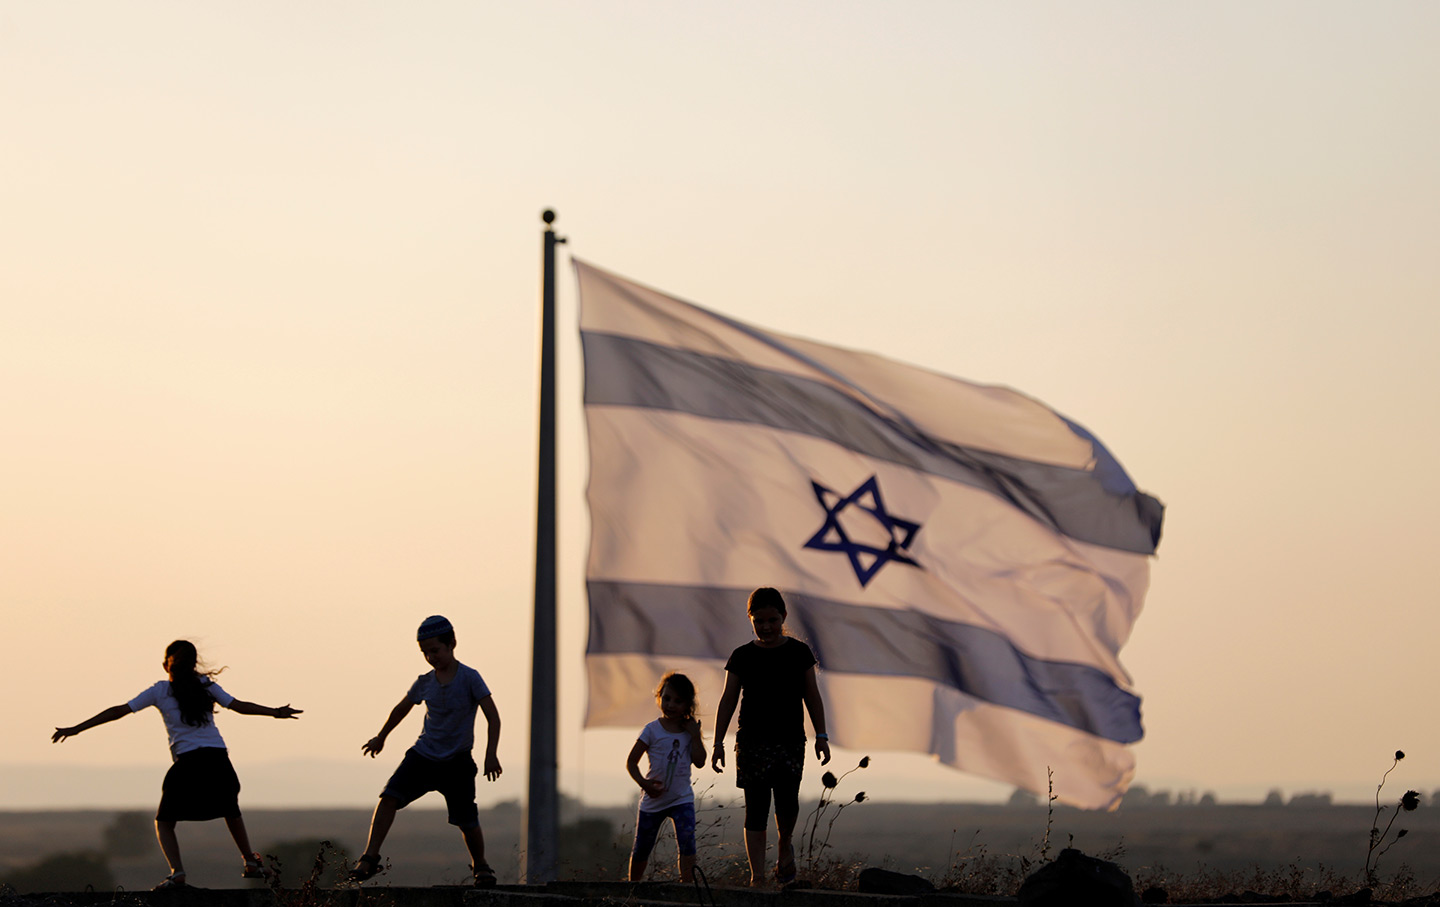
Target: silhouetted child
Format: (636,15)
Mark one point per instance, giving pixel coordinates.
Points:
(776,675)
(201,784)
(440,760)
(674,743)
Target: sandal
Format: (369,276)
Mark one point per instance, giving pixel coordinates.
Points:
(484,875)
(173,880)
(365,868)
(254,869)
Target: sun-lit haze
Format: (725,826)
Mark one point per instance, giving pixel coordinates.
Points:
(269,289)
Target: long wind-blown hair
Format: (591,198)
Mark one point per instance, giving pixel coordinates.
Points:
(189,684)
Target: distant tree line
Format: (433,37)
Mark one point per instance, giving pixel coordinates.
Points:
(128,835)
(594,847)
(1141,797)
(131,834)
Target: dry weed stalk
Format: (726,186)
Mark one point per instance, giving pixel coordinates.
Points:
(1049,813)
(1378,848)
(311,892)
(810,831)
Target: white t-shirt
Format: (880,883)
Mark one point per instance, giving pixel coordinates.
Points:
(670,762)
(183,737)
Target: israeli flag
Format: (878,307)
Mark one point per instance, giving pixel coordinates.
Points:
(964,562)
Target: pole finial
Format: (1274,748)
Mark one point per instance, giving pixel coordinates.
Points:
(548,216)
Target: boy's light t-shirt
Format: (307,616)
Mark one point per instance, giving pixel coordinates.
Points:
(670,762)
(449,712)
(183,737)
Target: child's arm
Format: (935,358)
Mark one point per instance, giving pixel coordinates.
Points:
(374,745)
(492,738)
(652,786)
(114,713)
(250,708)
(729,698)
(817,715)
(697,744)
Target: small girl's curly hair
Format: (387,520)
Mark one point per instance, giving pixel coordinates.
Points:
(682,687)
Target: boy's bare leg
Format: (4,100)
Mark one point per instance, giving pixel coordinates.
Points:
(169,845)
(475,843)
(380,824)
(236,824)
(755,854)
(687,868)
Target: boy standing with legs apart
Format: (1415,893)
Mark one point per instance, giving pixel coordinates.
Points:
(440,760)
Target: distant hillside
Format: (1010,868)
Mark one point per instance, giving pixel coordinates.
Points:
(929,838)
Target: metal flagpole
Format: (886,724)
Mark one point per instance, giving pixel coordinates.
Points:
(542,817)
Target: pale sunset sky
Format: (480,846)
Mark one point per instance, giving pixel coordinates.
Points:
(269,290)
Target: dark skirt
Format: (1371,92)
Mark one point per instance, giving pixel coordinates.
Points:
(768,764)
(201,785)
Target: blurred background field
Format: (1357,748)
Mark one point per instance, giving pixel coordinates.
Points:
(1153,837)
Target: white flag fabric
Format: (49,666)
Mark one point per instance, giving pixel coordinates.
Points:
(964,562)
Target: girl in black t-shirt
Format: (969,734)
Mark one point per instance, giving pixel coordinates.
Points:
(776,674)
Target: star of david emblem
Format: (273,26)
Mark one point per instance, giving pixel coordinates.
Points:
(867,521)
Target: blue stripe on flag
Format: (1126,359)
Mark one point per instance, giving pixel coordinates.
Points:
(1100,507)
(706,622)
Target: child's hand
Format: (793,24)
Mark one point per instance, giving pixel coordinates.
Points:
(373,746)
(653,786)
(286,712)
(492,768)
(822,751)
(694,728)
(61,733)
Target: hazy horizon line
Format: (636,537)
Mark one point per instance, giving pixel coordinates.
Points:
(319,784)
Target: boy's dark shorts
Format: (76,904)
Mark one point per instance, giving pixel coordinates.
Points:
(453,778)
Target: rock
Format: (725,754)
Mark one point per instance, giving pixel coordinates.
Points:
(1155,895)
(874,880)
(1075,880)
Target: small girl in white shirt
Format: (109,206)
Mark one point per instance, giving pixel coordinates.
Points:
(201,783)
(674,743)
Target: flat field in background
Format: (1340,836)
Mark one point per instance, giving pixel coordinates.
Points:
(931,839)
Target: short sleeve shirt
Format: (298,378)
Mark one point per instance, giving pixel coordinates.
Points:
(449,712)
(772,689)
(183,737)
(670,762)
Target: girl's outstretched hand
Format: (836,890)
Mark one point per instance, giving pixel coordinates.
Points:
(822,751)
(717,756)
(373,746)
(61,733)
(286,712)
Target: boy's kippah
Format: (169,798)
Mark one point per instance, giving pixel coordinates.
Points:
(433,626)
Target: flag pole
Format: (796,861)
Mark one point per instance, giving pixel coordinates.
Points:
(543,807)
